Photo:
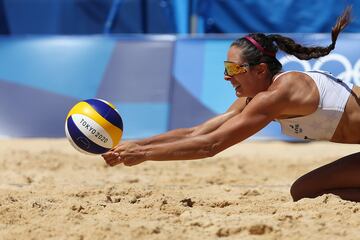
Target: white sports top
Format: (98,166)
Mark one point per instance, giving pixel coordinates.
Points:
(321,124)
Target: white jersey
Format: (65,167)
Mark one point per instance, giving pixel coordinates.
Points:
(321,124)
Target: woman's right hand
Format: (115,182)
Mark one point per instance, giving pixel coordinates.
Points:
(128,152)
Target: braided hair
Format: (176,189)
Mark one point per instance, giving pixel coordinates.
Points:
(255,54)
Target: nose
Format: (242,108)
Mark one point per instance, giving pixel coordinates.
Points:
(227,78)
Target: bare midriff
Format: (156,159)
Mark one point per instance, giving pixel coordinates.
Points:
(348,130)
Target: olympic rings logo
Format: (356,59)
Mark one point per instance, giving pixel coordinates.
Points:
(349,73)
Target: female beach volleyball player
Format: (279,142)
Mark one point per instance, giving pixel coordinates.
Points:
(309,105)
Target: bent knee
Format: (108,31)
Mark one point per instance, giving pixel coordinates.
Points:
(295,192)
(304,189)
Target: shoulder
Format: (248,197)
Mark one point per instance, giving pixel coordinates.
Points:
(295,84)
(299,91)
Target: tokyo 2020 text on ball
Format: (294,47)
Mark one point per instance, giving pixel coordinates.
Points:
(94,126)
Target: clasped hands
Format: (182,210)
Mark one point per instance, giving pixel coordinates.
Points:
(128,152)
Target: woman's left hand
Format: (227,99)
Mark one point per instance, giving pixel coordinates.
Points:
(129,153)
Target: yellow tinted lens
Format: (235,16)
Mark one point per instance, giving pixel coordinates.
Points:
(234,68)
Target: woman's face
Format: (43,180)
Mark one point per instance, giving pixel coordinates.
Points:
(251,80)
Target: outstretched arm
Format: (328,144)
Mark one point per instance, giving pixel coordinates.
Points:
(260,111)
(204,128)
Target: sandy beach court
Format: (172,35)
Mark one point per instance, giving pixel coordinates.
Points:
(50,191)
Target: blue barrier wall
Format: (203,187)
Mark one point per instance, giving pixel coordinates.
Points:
(157,82)
(77,17)
(87,16)
(281,16)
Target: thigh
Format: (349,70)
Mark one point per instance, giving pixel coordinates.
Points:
(342,173)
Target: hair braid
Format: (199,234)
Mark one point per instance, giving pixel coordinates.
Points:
(289,46)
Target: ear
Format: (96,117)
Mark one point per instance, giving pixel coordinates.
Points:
(262,68)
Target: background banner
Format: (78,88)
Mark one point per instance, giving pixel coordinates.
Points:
(157,82)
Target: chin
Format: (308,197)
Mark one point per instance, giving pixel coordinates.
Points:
(240,94)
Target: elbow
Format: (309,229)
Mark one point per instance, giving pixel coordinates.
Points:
(209,146)
(216,144)
(212,149)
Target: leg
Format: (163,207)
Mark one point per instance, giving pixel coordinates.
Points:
(341,177)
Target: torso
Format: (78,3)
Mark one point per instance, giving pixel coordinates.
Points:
(334,117)
(348,130)
(305,102)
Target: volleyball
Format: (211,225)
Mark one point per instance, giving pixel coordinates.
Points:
(93,126)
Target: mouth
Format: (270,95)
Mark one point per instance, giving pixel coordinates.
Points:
(236,88)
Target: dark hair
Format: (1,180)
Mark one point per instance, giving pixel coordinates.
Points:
(254,56)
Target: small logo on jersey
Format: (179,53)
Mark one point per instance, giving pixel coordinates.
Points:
(296,127)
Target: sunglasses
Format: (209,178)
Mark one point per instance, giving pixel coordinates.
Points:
(232,69)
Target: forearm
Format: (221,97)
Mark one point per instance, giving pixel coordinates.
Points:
(206,145)
(213,124)
(185,149)
(182,133)
(167,137)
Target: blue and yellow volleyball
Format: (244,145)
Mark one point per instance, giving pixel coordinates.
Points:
(94,126)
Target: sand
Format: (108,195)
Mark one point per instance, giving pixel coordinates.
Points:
(50,191)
